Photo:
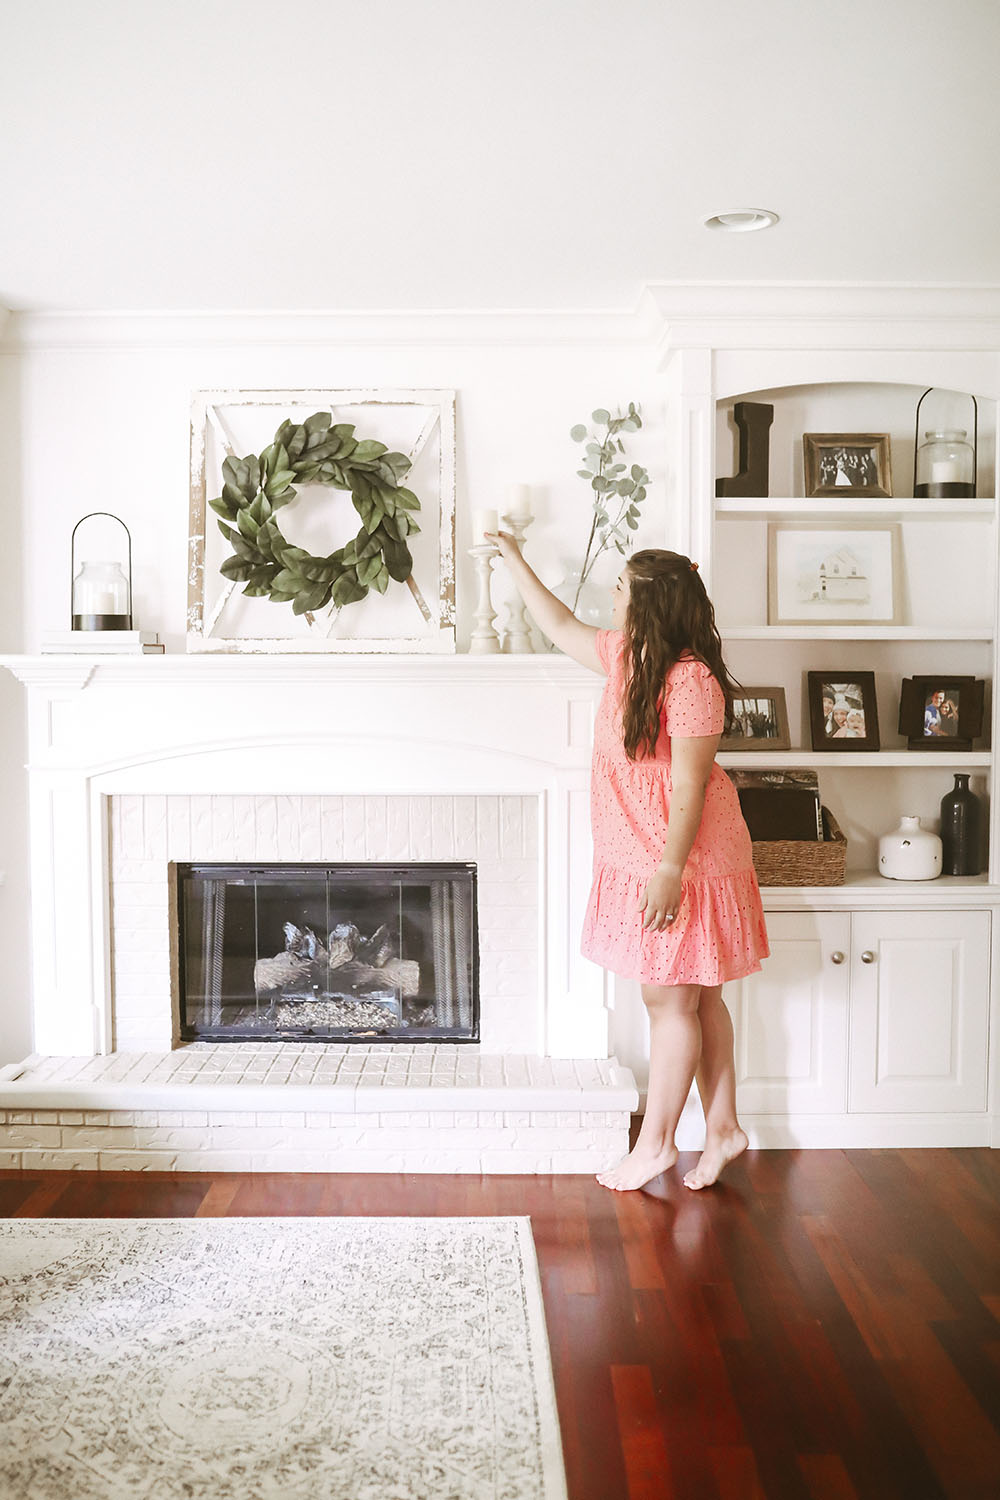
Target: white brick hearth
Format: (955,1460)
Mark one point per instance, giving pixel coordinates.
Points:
(139,762)
(308,1107)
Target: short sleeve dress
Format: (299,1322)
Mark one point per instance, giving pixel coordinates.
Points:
(719,933)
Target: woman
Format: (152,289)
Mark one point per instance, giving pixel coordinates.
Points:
(674,902)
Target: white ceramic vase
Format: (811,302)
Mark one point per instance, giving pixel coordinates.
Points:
(909,852)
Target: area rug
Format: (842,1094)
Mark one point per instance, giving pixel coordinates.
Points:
(274,1359)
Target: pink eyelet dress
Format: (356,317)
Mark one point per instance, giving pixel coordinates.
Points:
(719,933)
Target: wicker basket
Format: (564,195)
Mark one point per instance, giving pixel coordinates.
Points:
(803,861)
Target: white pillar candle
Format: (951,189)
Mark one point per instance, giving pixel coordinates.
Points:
(946,471)
(482,521)
(519,500)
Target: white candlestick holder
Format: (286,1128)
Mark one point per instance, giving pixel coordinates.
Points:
(517,635)
(484,640)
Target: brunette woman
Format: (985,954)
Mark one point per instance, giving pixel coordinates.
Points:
(674,902)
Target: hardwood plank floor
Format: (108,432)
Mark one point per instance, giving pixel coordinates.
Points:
(825,1325)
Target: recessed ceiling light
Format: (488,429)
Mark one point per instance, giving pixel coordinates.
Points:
(740,220)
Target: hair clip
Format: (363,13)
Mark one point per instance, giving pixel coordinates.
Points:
(694,567)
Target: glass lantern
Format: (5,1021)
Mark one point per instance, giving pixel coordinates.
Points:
(944,465)
(101,589)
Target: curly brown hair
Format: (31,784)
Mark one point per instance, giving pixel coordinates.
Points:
(669,615)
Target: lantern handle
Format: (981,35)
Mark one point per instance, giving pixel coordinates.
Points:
(72,555)
(975,439)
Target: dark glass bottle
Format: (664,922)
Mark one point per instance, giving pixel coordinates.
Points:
(960,827)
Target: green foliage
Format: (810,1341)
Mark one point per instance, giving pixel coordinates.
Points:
(618,490)
(316,451)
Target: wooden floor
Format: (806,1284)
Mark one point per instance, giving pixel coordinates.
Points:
(824,1326)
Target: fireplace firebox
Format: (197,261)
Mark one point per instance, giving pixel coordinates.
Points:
(327,952)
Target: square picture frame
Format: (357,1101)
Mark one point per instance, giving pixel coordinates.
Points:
(843,711)
(847,463)
(760,720)
(235,615)
(941,711)
(843,575)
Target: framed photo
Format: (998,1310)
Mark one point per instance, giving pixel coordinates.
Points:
(235,611)
(843,714)
(846,463)
(760,721)
(941,712)
(832,575)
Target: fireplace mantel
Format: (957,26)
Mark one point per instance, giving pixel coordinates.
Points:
(289,726)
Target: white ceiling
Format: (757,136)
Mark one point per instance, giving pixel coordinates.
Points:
(370,154)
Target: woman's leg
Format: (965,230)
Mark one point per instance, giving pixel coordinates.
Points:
(674,1050)
(724,1139)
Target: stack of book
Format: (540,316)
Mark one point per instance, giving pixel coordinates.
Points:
(101,643)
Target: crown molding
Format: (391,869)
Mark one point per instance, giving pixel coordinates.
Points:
(831,315)
(97,330)
(668,315)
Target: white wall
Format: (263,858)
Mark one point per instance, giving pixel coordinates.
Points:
(96,416)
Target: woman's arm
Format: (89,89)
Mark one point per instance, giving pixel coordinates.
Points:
(691,762)
(551,616)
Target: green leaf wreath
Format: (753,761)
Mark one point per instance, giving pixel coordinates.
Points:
(316,451)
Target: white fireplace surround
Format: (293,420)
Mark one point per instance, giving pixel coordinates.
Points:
(121,742)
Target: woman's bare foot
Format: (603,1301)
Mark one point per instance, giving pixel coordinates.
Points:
(638,1168)
(715,1158)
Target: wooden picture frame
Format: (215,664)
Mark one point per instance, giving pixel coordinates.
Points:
(941,711)
(843,712)
(760,720)
(417,615)
(845,575)
(846,463)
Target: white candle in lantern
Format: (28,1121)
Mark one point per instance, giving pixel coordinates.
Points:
(482,521)
(946,471)
(519,501)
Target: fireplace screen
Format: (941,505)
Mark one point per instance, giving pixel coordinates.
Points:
(328,952)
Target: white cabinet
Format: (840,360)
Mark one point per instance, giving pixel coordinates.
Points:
(919,1011)
(791,1018)
(866,1012)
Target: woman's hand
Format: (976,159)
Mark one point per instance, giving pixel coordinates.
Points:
(660,900)
(507,544)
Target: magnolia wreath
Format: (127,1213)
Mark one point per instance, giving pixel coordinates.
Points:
(317,451)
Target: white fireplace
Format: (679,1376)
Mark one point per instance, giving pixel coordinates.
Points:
(137,763)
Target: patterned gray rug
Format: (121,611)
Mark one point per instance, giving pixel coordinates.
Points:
(274,1359)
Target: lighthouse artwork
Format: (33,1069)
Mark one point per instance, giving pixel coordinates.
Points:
(831,576)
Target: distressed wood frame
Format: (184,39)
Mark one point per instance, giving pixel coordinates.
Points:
(206,604)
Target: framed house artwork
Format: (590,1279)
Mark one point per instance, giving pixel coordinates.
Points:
(833,576)
(322,521)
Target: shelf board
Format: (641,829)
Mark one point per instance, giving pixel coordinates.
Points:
(863,888)
(872,507)
(860,632)
(846,760)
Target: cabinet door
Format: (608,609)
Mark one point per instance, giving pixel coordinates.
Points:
(919,1011)
(791,1018)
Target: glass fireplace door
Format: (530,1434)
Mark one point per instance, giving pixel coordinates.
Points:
(314,952)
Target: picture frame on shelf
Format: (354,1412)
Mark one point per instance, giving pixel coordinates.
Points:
(833,575)
(843,712)
(941,711)
(847,463)
(760,721)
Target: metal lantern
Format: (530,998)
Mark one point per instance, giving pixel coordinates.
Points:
(944,464)
(101,593)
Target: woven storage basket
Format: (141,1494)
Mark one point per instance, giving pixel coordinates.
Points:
(803,861)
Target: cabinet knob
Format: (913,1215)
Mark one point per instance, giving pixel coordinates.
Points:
(837,958)
(868,957)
